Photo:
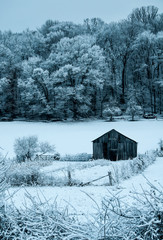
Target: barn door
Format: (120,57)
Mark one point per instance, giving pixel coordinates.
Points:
(105,152)
(120,150)
(113,155)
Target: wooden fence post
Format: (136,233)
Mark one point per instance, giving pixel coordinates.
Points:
(110,179)
(69,178)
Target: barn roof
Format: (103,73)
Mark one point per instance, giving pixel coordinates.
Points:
(115,131)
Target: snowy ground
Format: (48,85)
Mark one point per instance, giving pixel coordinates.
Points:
(84,201)
(76,137)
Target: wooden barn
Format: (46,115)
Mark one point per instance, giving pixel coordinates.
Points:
(114,146)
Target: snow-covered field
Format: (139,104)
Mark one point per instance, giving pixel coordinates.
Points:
(76,137)
(84,201)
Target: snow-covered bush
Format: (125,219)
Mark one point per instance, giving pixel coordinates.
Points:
(29,173)
(141,218)
(26,173)
(32,176)
(43,221)
(80,157)
(161,144)
(23,176)
(141,162)
(160,152)
(122,170)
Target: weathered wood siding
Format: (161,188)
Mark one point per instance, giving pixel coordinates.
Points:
(114,146)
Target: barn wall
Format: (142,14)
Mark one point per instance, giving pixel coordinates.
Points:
(98,151)
(114,146)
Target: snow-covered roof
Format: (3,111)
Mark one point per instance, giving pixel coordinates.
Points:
(115,131)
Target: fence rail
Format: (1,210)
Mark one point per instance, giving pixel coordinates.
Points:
(109,175)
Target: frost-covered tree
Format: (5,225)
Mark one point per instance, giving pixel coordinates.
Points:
(133,109)
(9,70)
(82,71)
(45,147)
(146,60)
(111,112)
(145,15)
(26,148)
(66,70)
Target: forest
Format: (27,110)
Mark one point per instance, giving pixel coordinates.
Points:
(66,71)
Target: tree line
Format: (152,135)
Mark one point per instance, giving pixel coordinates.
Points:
(65,70)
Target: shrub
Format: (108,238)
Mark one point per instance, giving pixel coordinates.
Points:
(161,144)
(80,157)
(128,168)
(160,152)
(23,176)
(28,174)
(42,221)
(141,219)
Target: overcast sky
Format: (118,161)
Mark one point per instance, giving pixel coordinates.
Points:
(18,15)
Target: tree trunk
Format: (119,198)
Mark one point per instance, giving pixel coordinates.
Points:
(160,100)
(74,109)
(154,100)
(124,78)
(12,99)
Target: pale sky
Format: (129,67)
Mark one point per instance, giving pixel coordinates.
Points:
(18,15)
